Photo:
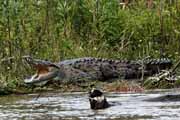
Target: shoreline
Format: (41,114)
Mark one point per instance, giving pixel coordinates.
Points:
(125,86)
(115,86)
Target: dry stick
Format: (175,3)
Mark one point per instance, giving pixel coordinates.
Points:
(38,96)
(142,65)
(175,67)
(6,59)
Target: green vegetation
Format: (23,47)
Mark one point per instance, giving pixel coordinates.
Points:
(60,29)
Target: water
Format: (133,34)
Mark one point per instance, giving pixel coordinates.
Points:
(75,106)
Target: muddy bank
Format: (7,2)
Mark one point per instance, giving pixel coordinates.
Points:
(5,91)
(116,86)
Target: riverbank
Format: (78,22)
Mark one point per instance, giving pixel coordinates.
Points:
(115,86)
(103,29)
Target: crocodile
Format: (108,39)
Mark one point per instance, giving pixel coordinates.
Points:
(89,68)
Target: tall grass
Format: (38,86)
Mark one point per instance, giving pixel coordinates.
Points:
(61,29)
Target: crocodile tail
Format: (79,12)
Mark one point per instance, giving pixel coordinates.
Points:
(156,65)
(162,61)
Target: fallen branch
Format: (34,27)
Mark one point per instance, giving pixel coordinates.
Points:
(143,67)
(175,66)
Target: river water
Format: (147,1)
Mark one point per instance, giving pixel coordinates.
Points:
(75,106)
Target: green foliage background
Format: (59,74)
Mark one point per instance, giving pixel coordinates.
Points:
(61,29)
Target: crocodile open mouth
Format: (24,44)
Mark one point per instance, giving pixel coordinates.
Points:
(40,79)
(45,71)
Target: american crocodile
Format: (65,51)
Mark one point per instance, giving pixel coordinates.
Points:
(89,68)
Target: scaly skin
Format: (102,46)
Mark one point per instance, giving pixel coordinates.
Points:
(88,68)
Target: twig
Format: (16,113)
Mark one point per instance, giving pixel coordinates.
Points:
(142,65)
(6,59)
(175,67)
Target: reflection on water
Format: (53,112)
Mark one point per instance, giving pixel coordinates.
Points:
(75,106)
